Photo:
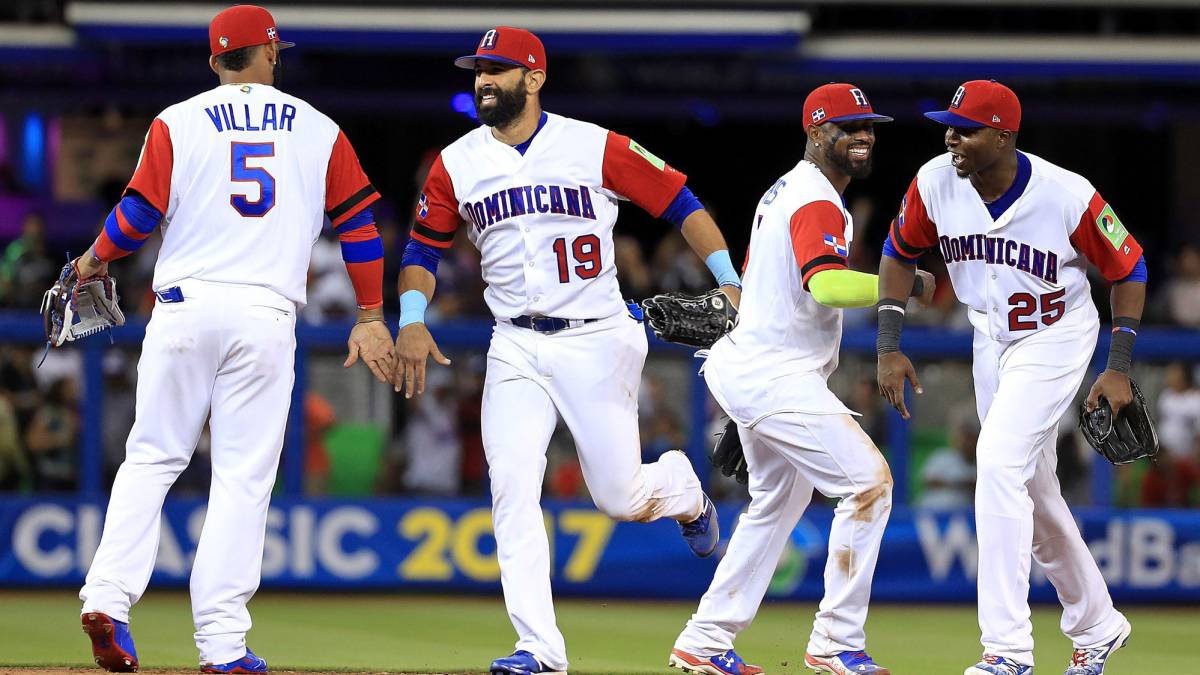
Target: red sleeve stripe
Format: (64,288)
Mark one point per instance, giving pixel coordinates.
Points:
(106,250)
(360,233)
(127,229)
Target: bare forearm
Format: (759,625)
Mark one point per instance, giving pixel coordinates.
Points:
(417,278)
(895,278)
(1128,298)
(702,234)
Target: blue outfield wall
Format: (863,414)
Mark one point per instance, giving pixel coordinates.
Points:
(447,545)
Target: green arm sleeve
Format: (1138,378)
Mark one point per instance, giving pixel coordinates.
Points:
(844,288)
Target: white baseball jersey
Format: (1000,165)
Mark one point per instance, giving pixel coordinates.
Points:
(542,213)
(801,227)
(242,174)
(1024,268)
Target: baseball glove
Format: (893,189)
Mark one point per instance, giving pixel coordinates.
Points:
(692,320)
(74,308)
(1123,439)
(727,454)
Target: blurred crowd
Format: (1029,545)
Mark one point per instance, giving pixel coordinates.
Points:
(432,446)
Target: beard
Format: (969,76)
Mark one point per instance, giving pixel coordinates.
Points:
(842,161)
(508,105)
(277,73)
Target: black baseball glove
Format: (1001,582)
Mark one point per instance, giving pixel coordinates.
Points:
(692,320)
(74,308)
(727,454)
(1124,438)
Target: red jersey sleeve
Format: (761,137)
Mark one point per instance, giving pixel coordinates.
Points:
(1104,241)
(152,177)
(913,232)
(637,175)
(437,209)
(347,190)
(818,232)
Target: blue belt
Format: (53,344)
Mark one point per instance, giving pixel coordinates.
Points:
(172,294)
(547,324)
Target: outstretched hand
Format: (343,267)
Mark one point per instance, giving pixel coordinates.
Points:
(892,370)
(414,346)
(371,341)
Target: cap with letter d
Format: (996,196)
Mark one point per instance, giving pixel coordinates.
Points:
(505,44)
(839,102)
(243,26)
(981,103)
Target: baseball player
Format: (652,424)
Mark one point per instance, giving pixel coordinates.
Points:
(241,179)
(769,375)
(538,195)
(1016,233)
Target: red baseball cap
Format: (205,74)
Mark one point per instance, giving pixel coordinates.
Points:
(506,44)
(839,102)
(243,26)
(981,103)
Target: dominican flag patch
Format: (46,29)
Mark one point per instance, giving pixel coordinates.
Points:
(837,244)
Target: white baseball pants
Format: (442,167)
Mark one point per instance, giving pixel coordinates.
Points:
(1022,390)
(589,375)
(789,454)
(223,355)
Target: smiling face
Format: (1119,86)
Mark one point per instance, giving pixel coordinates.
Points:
(500,92)
(849,146)
(975,150)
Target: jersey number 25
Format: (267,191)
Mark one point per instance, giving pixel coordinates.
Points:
(240,172)
(1025,304)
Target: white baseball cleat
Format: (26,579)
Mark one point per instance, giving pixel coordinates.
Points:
(991,664)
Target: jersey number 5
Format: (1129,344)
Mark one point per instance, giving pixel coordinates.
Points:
(586,250)
(1025,304)
(239,172)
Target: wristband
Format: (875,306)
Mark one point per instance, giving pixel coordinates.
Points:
(412,307)
(721,266)
(1120,349)
(891,322)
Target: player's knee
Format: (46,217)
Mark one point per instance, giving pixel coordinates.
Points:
(624,506)
(874,499)
(515,481)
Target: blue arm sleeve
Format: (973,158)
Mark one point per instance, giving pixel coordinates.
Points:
(891,252)
(1139,271)
(684,205)
(416,253)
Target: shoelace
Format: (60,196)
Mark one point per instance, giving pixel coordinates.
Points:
(1082,662)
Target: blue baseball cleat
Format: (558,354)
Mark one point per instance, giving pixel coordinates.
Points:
(845,663)
(112,644)
(998,665)
(520,662)
(728,663)
(1091,661)
(703,533)
(247,664)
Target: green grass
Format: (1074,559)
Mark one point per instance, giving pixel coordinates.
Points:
(448,634)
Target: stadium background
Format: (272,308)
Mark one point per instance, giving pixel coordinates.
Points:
(381,495)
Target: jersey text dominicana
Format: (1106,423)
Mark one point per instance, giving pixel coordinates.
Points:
(543,220)
(1025,269)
